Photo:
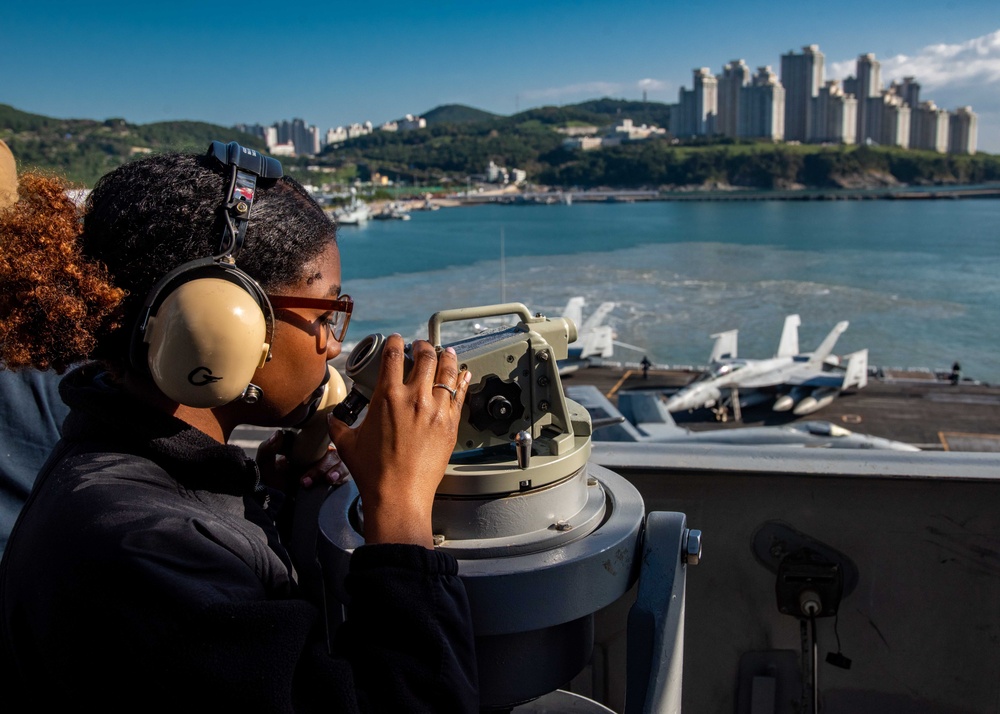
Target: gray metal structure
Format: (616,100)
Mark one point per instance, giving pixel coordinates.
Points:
(920,629)
(544,538)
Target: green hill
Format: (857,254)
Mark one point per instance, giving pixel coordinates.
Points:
(83,150)
(456,114)
(461,141)
(600,112)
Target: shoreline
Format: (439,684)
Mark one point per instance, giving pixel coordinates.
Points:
(558,196)
(510,196)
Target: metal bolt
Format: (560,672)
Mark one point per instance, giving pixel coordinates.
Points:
(563,526)
(242,207)
(692,547)
(510,358)
(810,603)
(543,356)
(543,406)
(591,481)
(543,381)
(438,539)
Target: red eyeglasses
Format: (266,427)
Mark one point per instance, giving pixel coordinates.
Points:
(340,310)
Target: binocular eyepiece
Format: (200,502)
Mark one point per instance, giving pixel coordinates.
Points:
(363,365)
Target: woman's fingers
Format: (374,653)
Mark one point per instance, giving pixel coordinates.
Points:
(330,470)
(399,452)
(450,378)
(425,363)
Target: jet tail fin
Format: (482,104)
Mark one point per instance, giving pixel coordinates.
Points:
(826,347)
(596,318)
(788,346)
(574,311)
(856,371)
(593,337)
(598,341)
(725,345)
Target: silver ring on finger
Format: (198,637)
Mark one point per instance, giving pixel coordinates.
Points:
(454,392)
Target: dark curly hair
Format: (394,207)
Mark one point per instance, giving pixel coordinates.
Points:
(70,291)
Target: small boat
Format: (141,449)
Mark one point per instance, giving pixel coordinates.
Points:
(355,213)
(392,211)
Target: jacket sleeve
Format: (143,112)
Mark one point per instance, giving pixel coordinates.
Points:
(408,632)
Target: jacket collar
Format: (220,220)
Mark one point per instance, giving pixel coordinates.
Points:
(110,419)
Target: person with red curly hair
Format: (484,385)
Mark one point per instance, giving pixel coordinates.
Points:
(31,412)
(149,568)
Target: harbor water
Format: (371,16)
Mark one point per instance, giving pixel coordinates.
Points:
(919,281)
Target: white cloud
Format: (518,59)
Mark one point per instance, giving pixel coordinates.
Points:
(972,63)
(654,85)
(596,90)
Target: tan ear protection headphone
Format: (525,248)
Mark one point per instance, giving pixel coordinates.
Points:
(206,326)
(8,177)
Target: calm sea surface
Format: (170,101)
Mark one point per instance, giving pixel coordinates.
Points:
(919,281)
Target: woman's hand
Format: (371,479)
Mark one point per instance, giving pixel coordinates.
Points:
(399,452)
(277,471)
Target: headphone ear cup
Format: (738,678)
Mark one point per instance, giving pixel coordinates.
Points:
(206,340)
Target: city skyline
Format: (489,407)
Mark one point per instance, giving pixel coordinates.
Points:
(802,105)
(335,64)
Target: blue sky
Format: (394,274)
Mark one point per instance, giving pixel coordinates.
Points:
(333,63)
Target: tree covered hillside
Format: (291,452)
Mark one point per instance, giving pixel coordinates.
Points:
(83,150)
(459,142)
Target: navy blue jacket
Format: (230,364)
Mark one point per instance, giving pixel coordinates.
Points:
(31,416)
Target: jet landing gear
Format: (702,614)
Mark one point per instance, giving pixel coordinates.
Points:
(721,412)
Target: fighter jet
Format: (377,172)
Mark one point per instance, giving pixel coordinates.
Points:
(594,338)
(642,416)
(800,382)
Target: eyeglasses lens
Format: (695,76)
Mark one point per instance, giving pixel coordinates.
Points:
(338,322)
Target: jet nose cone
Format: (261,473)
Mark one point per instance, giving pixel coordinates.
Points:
(691,399)
(676,403)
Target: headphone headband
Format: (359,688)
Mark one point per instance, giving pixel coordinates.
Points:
(246,165)
(206,326)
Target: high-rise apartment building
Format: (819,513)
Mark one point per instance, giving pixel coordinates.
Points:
(867,85)
(682,114)
(802,78)
(697,108)
(929,127)
(762,107)
(706,97)
(735,76)
(268,133)
(835,115)
(305,139)
(909,90)
(888,120)
(962,131)
(802,107)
